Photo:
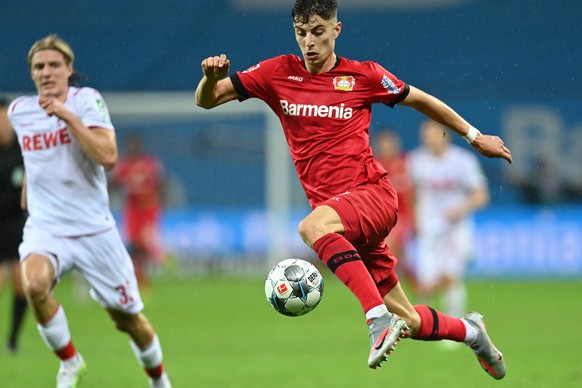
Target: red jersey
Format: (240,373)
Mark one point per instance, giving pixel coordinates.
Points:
(141,178)
(397,169)
(325,117)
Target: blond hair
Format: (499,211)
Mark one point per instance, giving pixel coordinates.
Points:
(52,42)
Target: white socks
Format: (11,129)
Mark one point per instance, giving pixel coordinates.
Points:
(55,332)
(377,311)
(455,300)
(151,356)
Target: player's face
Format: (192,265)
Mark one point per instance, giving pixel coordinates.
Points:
(50,73)
(316,40)
(433,137)
(388,146)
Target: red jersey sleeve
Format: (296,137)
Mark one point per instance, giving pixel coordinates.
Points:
(385,87)
(255,81)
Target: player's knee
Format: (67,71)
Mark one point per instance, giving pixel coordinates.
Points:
(37,278)
(37,288)
(304,228)
(311,230)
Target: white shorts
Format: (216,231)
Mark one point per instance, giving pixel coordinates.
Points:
(444,255)
(101,258)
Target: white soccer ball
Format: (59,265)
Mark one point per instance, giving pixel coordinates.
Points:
(294,287)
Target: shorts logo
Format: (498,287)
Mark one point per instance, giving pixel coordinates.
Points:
(389,85)
(338,197)
(344,83)
(252,68)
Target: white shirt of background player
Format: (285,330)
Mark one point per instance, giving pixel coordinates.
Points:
(66,189)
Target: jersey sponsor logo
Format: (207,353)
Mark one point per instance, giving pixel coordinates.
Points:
(389,85)
(252,68)
(308,110)
(295,78)
(43,141)
(344,83)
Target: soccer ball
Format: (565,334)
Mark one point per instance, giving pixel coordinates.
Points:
(294,287)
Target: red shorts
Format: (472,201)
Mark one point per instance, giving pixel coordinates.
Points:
(142,231)
(368,213)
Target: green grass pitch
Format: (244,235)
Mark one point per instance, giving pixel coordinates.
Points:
(219,331)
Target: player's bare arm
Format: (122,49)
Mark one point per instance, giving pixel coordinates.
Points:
(98,143)
(430,106)
(214,89)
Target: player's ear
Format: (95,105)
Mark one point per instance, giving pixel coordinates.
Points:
(337,29)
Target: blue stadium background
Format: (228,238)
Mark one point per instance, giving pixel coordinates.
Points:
(512,68)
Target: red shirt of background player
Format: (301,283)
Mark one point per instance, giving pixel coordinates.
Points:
(141,177)
(397,169)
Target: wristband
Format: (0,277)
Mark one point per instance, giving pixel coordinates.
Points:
(472,134)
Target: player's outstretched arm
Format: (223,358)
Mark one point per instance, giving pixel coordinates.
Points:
(214,89)
(432,107)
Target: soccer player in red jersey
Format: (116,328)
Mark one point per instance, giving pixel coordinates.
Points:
(140,176)
(324,103)
(388,151)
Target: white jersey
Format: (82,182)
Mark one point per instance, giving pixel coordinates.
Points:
(66,189)
(441,183)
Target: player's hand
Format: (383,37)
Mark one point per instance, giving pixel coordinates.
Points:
(492,147)
(216,68)
(456,214)
(53,106)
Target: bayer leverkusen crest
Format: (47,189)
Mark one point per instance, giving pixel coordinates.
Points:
(345,83)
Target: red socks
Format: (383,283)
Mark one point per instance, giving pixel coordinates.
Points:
(155,373)
(67,352)
(344,261)
(435,326)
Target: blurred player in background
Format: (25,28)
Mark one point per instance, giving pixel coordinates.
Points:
(67,142)
(12,218)
(324,103)
(388,151)
(449,186)
(140,176)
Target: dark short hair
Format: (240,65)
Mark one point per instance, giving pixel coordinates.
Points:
(4,101)
(304,10)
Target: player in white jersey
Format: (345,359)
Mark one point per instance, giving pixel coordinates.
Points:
(67,142)
(449,185)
